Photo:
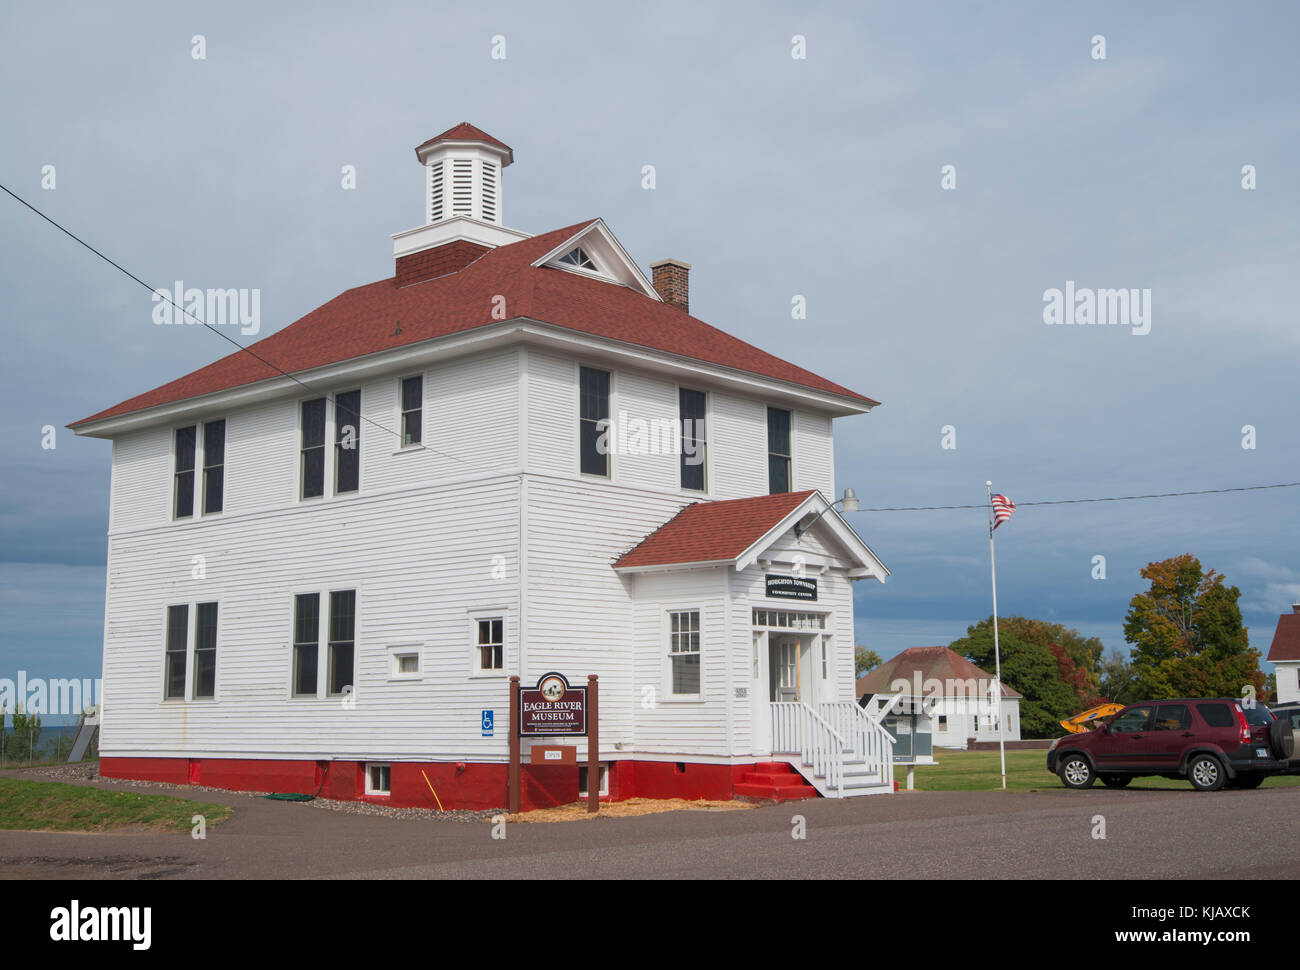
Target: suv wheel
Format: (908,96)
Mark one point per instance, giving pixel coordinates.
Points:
(1205,773)
(1115,781)
(1076,772)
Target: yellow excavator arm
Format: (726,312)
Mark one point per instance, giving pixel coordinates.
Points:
(1085,721)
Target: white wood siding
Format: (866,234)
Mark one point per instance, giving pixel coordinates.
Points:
(421,560)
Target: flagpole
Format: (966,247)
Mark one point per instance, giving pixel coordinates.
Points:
(997,653)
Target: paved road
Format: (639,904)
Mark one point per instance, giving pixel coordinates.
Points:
(1150,834)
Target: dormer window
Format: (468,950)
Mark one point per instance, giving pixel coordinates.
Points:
(577,257)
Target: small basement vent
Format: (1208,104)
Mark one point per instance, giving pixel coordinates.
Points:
(435,190)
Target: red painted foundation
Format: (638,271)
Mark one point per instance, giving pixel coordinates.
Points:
(463,785)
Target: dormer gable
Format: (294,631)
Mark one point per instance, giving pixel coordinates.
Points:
(593,251)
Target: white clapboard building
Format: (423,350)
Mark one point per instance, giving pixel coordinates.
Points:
(328,555)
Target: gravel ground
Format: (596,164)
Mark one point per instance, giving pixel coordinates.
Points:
(89,771)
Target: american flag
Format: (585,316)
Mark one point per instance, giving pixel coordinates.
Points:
(1002,509)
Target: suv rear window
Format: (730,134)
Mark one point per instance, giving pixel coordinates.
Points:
(1173,717)
(1258,714)
(1216,715)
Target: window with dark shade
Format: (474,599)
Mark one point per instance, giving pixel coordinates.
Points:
(691,405)
(343,621)
(183,499)
(205,650)
(593,420)
(178,631)
(347,441)
(313,448)
(412,409)
(214,465)
(306,642)
(778,450)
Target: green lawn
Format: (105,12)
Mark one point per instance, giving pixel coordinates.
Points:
(1026,771)
(62,807)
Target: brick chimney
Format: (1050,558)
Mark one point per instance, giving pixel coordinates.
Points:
(672,281)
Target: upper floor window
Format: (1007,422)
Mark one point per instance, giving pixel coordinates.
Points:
(313,448)
(691,407)
(183,488)
(412,410)
(347,441)
(214,465)
(594,420)
(778,450)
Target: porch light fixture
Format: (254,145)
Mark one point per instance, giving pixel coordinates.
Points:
(849,500)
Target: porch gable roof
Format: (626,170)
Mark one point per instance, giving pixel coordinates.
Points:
(737,531)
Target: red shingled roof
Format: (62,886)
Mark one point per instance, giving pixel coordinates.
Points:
(363,321)
(464,132)
(1286,639)
(712,531)
(932,663)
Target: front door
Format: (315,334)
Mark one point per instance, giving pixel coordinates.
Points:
(784,673)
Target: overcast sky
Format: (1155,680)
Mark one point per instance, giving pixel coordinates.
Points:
(776,176)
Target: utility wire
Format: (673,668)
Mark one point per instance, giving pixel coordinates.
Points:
(908,508)
(226,337)
(1077,501)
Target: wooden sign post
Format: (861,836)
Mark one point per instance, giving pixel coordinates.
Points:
(512,774)
(553,709)
(593,747)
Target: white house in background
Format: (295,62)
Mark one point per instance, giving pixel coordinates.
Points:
(951,698)
(1284,654)
(516,455)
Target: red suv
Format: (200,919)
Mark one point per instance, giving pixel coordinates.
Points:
(1211,742)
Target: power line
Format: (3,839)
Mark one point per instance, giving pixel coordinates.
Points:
(226,337)
(1077,501)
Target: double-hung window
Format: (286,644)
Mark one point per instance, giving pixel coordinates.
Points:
(593,423)
(205,650)
(342,643)
(183,490)
(177,664)
(214,465)
(684,652)
(178,635)
(691,407)
(347,441)
(313,448)
(412,410)
(778,450)
(490,644)
(306,643)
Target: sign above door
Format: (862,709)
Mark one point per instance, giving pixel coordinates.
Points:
(791,588)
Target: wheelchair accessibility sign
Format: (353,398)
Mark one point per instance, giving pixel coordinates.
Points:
(489,721)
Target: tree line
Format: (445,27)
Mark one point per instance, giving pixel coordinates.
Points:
(1187,640)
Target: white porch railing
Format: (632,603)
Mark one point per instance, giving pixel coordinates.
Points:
(798,729)
(866,738)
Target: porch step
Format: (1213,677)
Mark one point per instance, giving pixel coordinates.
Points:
(774,781)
